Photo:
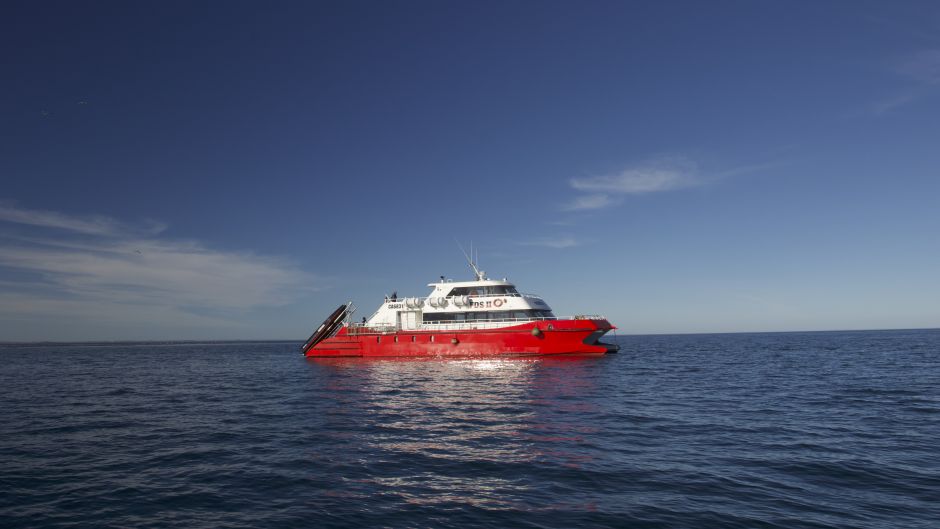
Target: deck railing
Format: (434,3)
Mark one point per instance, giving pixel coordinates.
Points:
(451,298)
(364,328)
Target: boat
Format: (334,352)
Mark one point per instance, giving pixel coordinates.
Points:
(481,317)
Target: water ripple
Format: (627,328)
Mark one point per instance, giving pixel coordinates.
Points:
(814,430)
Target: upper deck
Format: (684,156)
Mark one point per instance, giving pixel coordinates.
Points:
(490,302)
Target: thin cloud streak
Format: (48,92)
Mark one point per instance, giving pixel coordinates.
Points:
(661,176)
(168,273)
(604,191)
(91,225)
(556,243)
(54,311)
(101,266)
(923,66)
(666,174)
(589,202)
(922,70)
(887,105)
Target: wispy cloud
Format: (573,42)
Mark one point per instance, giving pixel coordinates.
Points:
(923,66)
(588,202)
(662,174)
(553,242)
(900,99)
(921,71)
(657,176)
(85,267)
(90,225)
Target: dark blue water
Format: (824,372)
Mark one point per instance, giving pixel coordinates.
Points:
(761,430)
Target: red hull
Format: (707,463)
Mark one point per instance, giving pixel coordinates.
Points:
(553,337)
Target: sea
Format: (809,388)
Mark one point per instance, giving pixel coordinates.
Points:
(778,430)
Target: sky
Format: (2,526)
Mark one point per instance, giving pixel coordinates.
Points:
(236,170)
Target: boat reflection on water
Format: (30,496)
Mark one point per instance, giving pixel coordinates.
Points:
(435,431)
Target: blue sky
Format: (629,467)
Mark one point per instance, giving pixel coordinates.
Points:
(236,170)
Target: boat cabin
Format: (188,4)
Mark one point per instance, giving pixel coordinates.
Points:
(481,303)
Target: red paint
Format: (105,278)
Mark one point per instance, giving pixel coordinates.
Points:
(557,337)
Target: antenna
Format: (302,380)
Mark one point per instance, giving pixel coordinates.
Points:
(480,275)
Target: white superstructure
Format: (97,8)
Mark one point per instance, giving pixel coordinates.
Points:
(454,305)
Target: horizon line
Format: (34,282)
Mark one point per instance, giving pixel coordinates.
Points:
(301,340)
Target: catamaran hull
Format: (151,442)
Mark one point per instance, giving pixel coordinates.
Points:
(550,337)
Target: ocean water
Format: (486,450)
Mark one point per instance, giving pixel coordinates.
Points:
(815,430)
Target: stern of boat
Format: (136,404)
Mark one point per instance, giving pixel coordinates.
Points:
(602,327)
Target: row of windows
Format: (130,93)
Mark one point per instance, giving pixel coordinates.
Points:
(496,290)
(378,339)
(497,315)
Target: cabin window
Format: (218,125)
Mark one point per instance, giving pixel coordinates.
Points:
(489,315)
(495,290)
(466,291)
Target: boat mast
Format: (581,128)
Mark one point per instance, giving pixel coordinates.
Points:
(479,274)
